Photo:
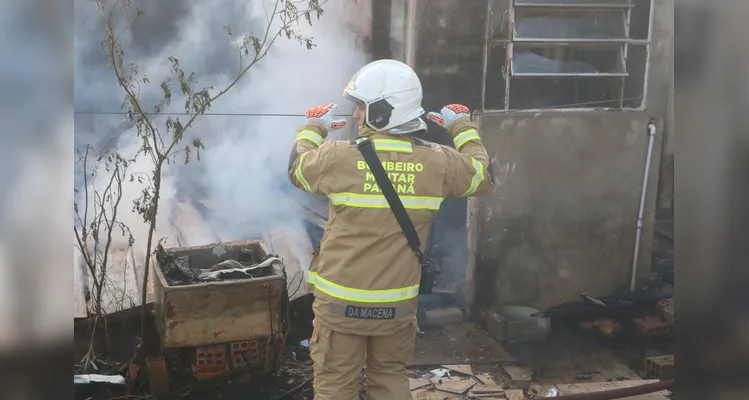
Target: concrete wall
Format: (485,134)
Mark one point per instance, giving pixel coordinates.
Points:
(562,218)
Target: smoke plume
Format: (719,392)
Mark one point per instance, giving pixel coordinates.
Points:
(239,188)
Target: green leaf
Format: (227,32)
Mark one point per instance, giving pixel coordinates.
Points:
(256,44)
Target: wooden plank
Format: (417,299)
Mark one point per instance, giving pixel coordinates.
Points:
(414,384)
(484,391)
(456,386)
(431,395)
(415,393)
(437,380)
(521,376)
(462,368)
(486,379)
(592,387)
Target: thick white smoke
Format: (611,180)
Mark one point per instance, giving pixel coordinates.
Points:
(241,178)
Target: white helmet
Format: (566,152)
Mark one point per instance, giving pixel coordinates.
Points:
(390,91)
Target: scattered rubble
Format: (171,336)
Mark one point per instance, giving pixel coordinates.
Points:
(487,388)
(453,385)
(464,369)
(659,367)
(437,384)
(520,376)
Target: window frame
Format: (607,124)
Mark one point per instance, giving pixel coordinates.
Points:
(508,73)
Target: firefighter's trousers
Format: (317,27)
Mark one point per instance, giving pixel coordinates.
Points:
(339,359)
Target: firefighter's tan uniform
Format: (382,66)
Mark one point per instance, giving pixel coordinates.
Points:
(365,278)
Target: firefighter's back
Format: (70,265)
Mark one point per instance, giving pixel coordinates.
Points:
(367,277)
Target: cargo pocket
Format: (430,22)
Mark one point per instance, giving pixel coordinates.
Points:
(412,332)
(319,344)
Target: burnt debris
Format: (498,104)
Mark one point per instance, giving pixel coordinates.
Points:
(180,271)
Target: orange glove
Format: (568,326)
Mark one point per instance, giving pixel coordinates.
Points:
(325,115)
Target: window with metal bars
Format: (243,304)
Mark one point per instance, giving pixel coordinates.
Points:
(566,54)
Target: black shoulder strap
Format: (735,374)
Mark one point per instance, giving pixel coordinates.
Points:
(367,150)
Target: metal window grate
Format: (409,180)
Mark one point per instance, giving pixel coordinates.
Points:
(567,51)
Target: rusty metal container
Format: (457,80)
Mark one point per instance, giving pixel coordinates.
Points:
(223,312)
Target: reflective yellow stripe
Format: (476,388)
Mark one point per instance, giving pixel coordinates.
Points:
(299,175)
(465,137)
(379,201)
(312,136)
(360,295)
(391,145)
(478,177)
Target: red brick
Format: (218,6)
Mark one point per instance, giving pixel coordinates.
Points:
(666,309)
(210,361)
(653,326)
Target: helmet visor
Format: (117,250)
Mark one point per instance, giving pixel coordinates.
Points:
(350,97)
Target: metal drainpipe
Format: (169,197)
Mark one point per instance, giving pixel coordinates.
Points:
(651,137)
(410,34)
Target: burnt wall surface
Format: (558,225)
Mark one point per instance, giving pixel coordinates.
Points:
(562,218)
(448,57)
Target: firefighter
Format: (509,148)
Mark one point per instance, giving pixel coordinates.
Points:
(365,278)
